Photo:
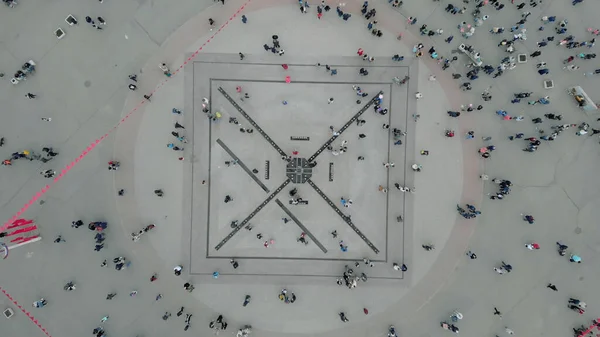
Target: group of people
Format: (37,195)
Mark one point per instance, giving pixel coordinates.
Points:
(503,189)
(276,48)
(99,228)
(470,213)
(48,154)
(349,279)
(285,297)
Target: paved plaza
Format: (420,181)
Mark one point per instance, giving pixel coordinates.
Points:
(254,170)
(81,82)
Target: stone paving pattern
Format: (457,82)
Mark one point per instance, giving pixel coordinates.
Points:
(311,117)
(81,82)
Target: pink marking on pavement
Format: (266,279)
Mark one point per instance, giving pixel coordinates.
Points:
(30,316)
(97,141)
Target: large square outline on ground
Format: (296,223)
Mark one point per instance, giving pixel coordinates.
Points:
(269,140)
(194,165)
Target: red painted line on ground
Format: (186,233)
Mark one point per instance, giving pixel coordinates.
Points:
(93,145)
(20,222)
(27,313)
(591,328)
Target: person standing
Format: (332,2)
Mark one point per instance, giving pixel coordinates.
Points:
(165,69)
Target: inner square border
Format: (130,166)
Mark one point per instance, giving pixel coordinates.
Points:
(408,140)
(209,179)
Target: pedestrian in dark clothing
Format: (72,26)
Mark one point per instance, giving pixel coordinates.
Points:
(535,53)
(552,286)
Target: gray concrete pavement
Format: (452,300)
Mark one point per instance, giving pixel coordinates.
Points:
(303,117)
(81,81)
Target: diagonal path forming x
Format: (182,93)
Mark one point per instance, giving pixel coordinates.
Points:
(310,182)
(343,216)
(251,215)
(266,189)
(323,195)
(253,123)
(343,128)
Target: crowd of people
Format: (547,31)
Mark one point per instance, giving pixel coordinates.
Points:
(545,133)
(349,278)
